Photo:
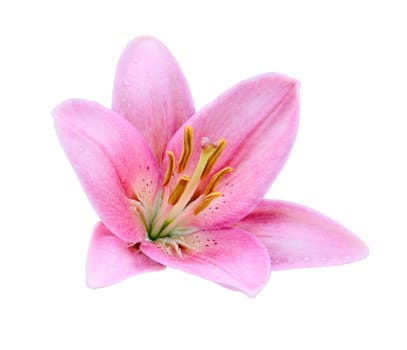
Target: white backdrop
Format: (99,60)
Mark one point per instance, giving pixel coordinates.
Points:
(348,162)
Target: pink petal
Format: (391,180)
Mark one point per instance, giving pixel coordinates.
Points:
(151,91)
(111,260)
(258,119)
(298,237)
(230,257)
(112,160)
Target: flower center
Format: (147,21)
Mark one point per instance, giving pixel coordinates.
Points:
(184,195)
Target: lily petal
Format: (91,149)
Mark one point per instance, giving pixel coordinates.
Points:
(151,91)
(231,257)
(112,160)
(298,237)
(258,118)
(111,260)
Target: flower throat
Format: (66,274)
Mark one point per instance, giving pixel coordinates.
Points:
(184,195)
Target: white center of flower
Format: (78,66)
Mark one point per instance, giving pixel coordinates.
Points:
(184,195)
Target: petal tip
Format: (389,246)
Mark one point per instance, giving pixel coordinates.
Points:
(360,250)
(283,79)
(145,39)
(92,284)
(145,43)
(354,248)
(253,293)
(93,279)
(289,86)
(56,111)
(66,107)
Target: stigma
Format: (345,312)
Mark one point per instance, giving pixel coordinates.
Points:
(185,193)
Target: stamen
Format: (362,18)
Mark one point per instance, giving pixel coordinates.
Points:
(170,168)
(206,201)
(213,158)
(186,150)
(206,153)
(176,246)
(216,178)
(139,208)
(178,190)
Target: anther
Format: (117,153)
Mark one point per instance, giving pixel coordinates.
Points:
(216,178)
(170,168)
(206,201)
(186,150)
(178,190)
(213,158)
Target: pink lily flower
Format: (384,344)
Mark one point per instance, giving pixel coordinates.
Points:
(183,189)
